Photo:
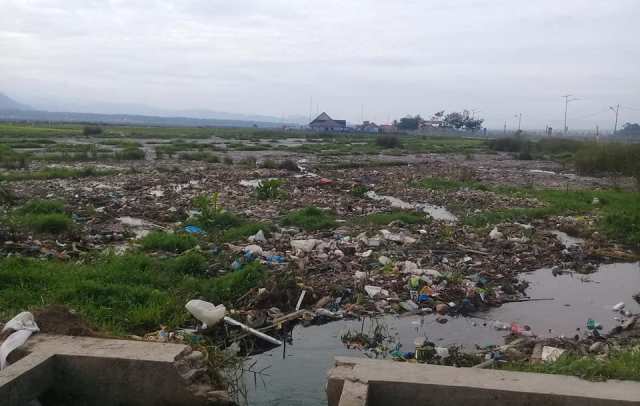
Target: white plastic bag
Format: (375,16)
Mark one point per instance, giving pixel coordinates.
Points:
(22,321)
(208,313)
(14,341)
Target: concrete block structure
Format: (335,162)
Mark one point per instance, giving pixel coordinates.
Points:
(64,370)
(364,382)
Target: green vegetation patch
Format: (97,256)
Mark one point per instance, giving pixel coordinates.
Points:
(623,365)
(131,294)
(41,216)
(310,218)
(618,211)
(170,242)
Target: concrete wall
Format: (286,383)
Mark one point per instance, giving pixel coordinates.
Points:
(64,370)
(360,382)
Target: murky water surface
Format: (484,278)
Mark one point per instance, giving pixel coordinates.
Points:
(298,377)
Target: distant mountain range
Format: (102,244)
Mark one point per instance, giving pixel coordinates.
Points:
(133,114)
(7,103)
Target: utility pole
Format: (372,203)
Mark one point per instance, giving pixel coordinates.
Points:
(566,107)
(519,115)
(616,110)
(504,131)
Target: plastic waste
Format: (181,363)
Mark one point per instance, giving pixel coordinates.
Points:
(618,306)
(409,305)
(423,297)
(248,329)
(373,291)
(500,325)
(593,325)
(305,245)
(253,250)
(495,234)
(208,313)
(524,331)
(258,237)
(442,352)
(275,259)
(24,325)
(551,354)
(194,230)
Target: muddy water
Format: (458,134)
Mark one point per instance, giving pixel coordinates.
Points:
(299,377)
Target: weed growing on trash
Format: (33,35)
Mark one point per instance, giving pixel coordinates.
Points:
(171,242)
(42,216)
(269,189)
(310,218)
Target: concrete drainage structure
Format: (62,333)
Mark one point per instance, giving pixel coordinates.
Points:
(364,382)
(64,370)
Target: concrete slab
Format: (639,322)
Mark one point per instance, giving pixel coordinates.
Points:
(106,372)
(391,383)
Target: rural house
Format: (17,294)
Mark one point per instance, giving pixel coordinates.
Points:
(325,123)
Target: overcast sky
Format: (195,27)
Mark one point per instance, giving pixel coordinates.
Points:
(501,57)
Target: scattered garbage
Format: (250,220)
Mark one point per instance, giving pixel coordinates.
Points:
(194,230)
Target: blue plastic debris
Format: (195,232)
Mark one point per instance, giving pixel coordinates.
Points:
(194,230)
(275,259)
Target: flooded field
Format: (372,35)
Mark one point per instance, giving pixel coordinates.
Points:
(442,238)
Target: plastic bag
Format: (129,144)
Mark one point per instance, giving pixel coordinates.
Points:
(22,321)
(208,313)
(14,341)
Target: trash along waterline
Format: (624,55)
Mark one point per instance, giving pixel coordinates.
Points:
(576,298)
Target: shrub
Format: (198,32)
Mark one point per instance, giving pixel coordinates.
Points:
(54,223)
(212,216)
(91,130)
(269,164)
(310,218)
(130,154)
(388,141)
(159,240)
(290,165)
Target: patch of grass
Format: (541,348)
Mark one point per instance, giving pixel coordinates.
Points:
(131,294)
(270,189)
(618,211)
(212,217)
(380,219)
(170,242)
(54,173)
(41,216)
(243,231)
(450,184)
(10,159)
(359,191)
(310,218)
(388,141)
(623,365)
(53,223)
(190,263)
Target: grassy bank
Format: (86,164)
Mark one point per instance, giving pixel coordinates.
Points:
(618,365)
(131,294)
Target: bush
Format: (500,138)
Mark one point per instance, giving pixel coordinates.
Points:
(53,223)
(388,141)
(269,164)
(310,218)
(290,165)
(91,130)
(159,240)
(9,159)
(130,154)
